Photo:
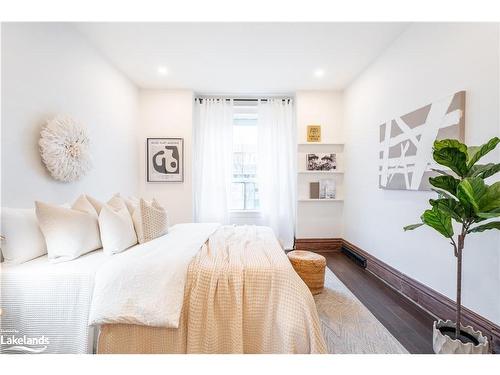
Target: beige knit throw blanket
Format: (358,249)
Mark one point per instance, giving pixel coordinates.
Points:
(241,296)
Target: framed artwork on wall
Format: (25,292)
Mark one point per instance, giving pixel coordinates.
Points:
(405,143)
(165,159)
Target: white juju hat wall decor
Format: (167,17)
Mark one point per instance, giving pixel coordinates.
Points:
(64,147)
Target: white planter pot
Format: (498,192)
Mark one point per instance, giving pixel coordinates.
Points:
(444,344)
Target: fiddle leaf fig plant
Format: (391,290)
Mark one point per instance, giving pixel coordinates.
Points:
(463,197)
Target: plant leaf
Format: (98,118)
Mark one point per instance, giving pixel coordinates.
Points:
(477,152)
(450,143)
(444,173)
(439,221)
(453,158)
(488,215)
(482,228)
(450,207)
(469,192)
(447,183)
(490,200)
(412,226)
(442,194)
(484,170)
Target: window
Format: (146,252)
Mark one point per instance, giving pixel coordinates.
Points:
(244,189)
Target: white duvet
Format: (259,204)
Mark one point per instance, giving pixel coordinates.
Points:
(145,286)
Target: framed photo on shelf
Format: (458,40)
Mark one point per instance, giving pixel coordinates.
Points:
(321,162)
(327,189)
(313,133)
(165,159)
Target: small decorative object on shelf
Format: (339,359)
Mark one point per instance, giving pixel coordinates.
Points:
(314,190)
(321,162)
(327,189)
(313,133)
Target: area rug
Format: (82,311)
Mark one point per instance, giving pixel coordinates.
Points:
(348,326)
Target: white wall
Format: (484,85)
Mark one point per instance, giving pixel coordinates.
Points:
(50,69)
(428,62)
(325,108)
(167,114)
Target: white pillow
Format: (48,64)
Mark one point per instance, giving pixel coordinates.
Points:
(150,220)
(69,232)
(116,226)
(23,239)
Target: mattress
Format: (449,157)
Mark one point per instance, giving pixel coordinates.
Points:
(43,299)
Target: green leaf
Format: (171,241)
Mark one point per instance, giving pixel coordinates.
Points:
(469,192)
(444,173)
(450,207)
(447,183)
(442,194)
(450,143)
(412,226)
(453,158)
(482,228)
(439,221)
(490,200)
(488,215)
(484,170)
(476,153)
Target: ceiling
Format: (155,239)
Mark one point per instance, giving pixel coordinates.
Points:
(242,57)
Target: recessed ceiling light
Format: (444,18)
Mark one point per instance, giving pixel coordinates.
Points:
(319,73)
(162,70)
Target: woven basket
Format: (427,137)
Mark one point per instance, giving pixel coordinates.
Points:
(310,267)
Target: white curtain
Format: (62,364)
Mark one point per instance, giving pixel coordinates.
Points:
(276,167)
(212,161)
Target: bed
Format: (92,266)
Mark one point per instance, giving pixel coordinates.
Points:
(241,296)
(41,298)
(202,288)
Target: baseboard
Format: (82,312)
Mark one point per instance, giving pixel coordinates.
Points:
(434,302)
(319,244)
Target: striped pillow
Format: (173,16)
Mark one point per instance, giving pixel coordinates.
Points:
(150,220)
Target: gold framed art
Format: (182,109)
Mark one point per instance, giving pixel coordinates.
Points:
(313,133)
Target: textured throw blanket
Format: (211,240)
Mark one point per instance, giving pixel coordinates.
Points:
(241,296)
(145,285)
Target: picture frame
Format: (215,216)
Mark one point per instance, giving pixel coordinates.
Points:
(321,162)
(164,159)
(313,133)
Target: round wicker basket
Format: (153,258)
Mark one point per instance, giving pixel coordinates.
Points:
(310,267)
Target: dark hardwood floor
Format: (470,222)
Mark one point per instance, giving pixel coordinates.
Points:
(407,322)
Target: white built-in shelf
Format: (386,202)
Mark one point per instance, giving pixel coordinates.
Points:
(319,144)
(321,172)
(320,200)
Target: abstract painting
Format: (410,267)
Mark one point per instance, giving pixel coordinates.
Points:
(406,142)
(165,159)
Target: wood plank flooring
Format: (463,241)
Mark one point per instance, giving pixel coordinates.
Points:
(406,321)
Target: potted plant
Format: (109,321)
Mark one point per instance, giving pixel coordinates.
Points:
(465,198)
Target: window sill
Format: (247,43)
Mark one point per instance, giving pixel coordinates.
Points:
(244,212)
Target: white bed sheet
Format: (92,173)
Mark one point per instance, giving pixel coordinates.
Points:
(42,298)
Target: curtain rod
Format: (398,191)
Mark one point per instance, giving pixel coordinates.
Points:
(244,99)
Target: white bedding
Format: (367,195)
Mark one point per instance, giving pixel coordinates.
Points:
(146,286)
(43,298)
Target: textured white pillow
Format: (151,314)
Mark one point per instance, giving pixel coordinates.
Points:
(69,232)
(132,204)
(150,220)
(117,228)
(23,239)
